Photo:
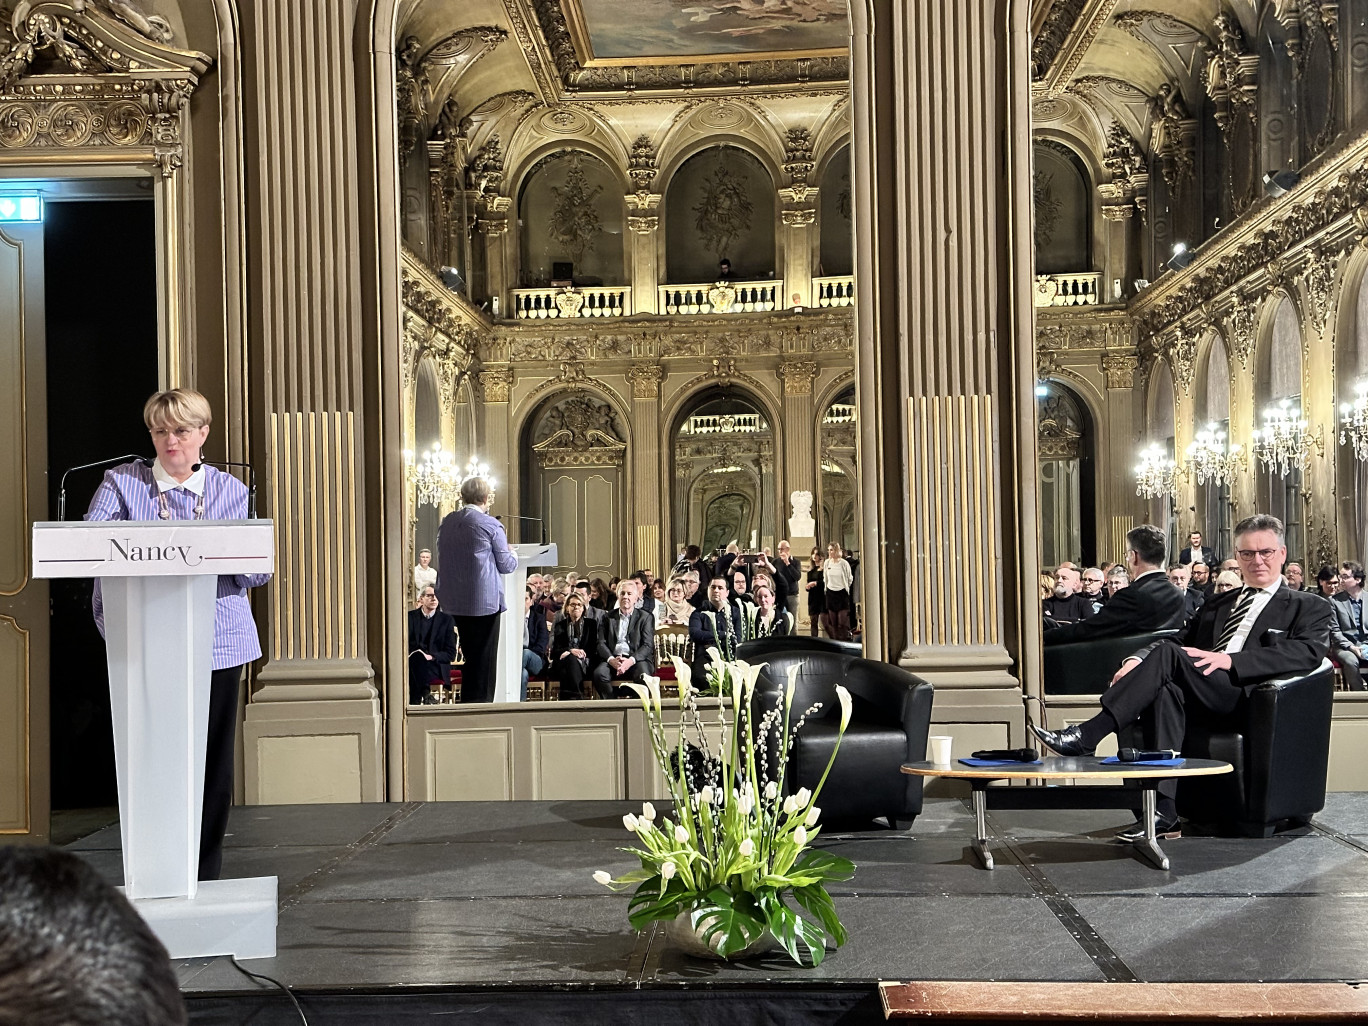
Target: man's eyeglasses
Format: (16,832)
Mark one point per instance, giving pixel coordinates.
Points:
(1248,554)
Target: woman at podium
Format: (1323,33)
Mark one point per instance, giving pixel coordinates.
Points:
(472,554)
(178,486)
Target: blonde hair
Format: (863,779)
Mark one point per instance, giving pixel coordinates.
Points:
(177,407)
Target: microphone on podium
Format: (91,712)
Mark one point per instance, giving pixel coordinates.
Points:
(112,461)
(534,520)
(251,482)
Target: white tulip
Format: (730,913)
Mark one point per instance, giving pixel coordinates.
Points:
(747,848)
(771,789)
(630,822)
(812,815)
(648,812)
(800,835)
(705,796)
(601,877)
(681,835)
(667,871)
(804,796)
(790,805)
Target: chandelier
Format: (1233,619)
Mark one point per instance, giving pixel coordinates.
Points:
(1354,421)
(433,476)
(1156,474)
(1210,458)
(1283,442)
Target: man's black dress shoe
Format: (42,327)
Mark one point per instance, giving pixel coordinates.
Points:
(1162,832)
(1068,741)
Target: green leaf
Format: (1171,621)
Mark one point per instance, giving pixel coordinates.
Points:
(817,901)
(648,903)
(824,866)
(735,919)
(792,930)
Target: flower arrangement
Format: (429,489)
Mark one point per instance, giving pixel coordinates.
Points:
(734,850)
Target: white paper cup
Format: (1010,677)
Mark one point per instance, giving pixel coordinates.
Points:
(938,747)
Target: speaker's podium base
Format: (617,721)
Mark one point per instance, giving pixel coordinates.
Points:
(225,917)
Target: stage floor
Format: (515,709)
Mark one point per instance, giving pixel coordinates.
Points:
(448,897)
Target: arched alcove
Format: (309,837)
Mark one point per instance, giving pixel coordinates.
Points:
(1063,210)
(571,212)
(720,204)
(1279,380)
(1213,410)
(427,432)
(722,444)
(838,480)
(837,214)
(573,459)
(1068,506)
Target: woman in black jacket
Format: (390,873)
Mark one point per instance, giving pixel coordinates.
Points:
(816,591)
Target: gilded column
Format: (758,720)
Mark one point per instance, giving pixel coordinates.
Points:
(643,242)
(313,725)
(499,249)
(800,436)
(946,372)
(648,471)
(496,385)
(1119,369)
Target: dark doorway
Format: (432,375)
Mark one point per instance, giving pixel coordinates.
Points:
(101,294)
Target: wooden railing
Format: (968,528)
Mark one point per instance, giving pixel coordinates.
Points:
(723,297)
(834,290)
(581,301)
(1068,289)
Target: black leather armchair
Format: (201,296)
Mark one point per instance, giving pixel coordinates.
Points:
(1086,667)
(889,723)
(1280,748)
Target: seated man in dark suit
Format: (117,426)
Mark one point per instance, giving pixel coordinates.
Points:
(1349,640)
(717,625)
(574,646)
(626,642)
(432,646)
(1181,578)
(1148,603)
(1264,631)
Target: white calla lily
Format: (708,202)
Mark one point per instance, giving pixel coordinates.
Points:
(683,675)
(791,686)
(844,696)
(653,686)
(642,694)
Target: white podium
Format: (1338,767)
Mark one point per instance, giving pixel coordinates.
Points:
(159,581)
(508,670)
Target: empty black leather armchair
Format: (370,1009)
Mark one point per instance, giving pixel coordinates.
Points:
(890,719)
(1086,667)
(1280,748)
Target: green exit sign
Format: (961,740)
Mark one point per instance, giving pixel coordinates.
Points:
(21,206)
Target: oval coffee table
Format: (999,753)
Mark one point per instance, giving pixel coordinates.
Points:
(1062,768)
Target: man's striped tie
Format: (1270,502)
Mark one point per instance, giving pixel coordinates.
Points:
(1236,617)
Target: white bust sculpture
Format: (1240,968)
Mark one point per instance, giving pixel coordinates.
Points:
(801,524)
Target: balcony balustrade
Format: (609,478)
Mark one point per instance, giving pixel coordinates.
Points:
(1079,289)
(581,301)
(723,297)
(834,290)
(724,424)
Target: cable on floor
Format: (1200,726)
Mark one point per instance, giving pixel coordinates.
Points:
(260,976)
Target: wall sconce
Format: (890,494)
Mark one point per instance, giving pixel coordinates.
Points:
(1182,256)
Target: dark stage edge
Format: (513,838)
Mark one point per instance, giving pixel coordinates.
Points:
(396,913)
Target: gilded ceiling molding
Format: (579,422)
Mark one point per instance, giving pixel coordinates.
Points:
(534,50)
(437,326)
(1069,31)
(124,88)
(1268,245)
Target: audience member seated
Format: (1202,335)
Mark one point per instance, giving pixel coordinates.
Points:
(1201,580)
(1349,641)
(644,598)
(1226,580)
(73,952)
(694,592)
(1296,576)
(717,625)
(1327,580)
(766,619)
(1150,603)
(626,643)
(676,609)
(1067,604)
(598,595)
(1117,580)
(536,640)
(432,646)
(1093,588)
(740,587)
(1265,631)
(1180,577)
(574,643)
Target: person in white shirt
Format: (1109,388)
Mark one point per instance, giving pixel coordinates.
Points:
(424,574)
(837,583)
